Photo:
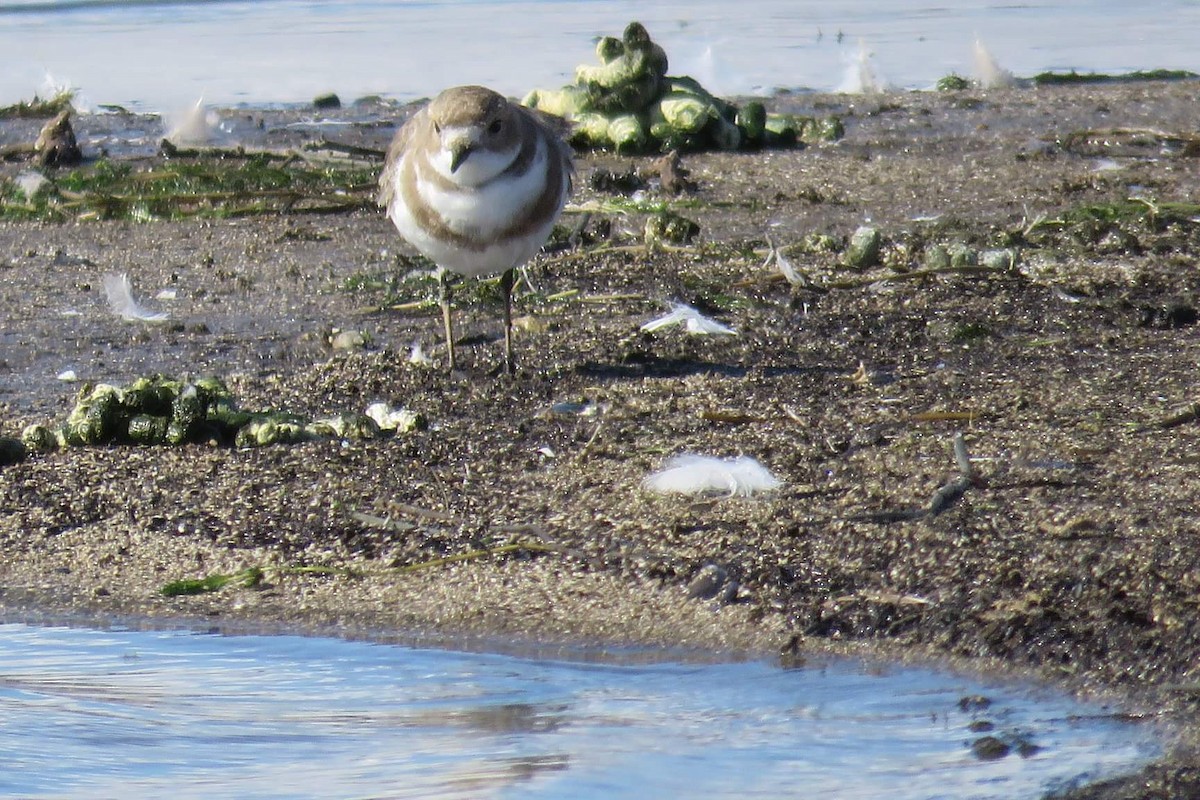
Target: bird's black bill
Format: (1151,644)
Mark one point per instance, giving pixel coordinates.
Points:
(458,156)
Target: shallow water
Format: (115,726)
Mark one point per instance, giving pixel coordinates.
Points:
(106,713)
(162,56)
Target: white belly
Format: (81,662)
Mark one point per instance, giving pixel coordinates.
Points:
(499,257)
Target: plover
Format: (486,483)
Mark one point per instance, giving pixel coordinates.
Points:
(475,183)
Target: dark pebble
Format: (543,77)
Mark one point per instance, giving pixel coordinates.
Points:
(989,748)
(707,583)
(973,702)
(12,451)
(1170,317)
(326,101)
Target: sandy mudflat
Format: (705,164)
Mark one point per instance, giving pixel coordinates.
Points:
(1072,554)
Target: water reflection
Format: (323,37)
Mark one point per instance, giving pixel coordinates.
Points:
(90,713)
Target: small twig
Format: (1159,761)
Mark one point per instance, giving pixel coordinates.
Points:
(1189,413)
(474,555)
(587,446)
(794,416)
(13,152)
(289,198)
(170,150)
(372,153)
(411,305)
(613,298)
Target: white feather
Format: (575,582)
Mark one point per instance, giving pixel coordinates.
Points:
(689,473)
(861,75)
(120,300)
(418,356)
(392,419)
(692,320)
(786,268)
(990,74)
(192,126)
(30,183)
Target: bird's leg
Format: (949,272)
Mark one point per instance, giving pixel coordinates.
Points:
(506,286)
(444,300)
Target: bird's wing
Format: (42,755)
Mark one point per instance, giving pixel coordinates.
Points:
(561,129)
(387,178)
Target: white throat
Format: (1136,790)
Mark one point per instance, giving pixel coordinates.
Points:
(481,166)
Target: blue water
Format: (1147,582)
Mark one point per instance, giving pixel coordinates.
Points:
(164,56)
(148,714)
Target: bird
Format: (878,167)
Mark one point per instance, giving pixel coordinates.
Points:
(475,182)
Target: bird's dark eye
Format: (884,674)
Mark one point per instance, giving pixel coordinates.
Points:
(496,126)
